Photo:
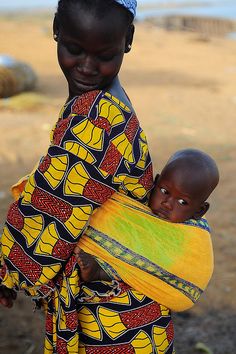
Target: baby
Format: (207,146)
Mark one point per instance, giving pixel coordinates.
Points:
(179,194)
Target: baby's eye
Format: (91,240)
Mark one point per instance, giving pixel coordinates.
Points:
(182,202)
(163,190)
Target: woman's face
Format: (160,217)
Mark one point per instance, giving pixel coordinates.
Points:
(90,51)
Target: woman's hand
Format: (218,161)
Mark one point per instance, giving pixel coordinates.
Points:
(7,296)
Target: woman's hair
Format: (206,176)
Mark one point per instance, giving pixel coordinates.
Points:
(98,8)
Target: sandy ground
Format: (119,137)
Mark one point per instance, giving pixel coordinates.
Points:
(183,87)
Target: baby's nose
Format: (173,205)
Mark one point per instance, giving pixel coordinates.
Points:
(168,203)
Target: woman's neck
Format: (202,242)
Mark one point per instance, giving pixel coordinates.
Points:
(115,89)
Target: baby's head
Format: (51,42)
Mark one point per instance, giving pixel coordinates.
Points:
(181,190)
(92,37)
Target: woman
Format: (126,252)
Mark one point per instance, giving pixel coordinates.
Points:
(97,148)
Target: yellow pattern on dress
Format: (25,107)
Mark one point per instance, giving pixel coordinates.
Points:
(77,173)
(89,134)
(137,295)
(7,241)
(109,111)
(75,223)
(164,311)
(144,152)
(56,170)
(80,151)
(72,345)
(111,322)
(123,145)
(119,103)
(69,285)
(48,274)
(43,246)
(160,339)
(32,228)
(29,189)
(89,323)
(132,184)
(142,344)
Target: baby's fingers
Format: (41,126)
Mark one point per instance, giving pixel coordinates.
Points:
(7,296)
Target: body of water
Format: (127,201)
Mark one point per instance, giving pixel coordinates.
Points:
(214,8)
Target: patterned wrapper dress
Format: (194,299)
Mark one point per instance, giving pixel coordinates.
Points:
(97,148)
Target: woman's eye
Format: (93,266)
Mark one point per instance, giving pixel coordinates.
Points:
(106,57)
(73,49)
(163,191)
(182,202)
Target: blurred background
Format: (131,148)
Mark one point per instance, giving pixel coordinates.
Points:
(181,78)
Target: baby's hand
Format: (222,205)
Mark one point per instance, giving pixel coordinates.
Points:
(7,296)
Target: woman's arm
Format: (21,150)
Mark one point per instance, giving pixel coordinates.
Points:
(90,156)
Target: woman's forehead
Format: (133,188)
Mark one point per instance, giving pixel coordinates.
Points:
(93,33)
(79,20)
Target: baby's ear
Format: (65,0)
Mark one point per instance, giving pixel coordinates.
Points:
(202,211)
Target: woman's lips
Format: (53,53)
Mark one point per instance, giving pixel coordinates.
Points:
(85,84)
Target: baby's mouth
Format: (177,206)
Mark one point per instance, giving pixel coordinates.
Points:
(162,214)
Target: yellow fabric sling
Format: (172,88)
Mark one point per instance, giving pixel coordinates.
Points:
(170,263)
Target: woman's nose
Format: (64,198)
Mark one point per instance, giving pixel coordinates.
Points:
(87,66)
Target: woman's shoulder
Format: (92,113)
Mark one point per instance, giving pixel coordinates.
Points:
(93,102)
(99,111)
(102,109)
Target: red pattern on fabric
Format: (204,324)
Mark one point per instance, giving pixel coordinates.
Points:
(61,346)
(51,205)
(111,160)
(119,349)
(70,265)
(97,192)
(45,289)
(72,320)
(3,271)
(62,249)
(83,104)
(170,332)
(14,217)
(141,316)
(24,263)
(44,165)
(61,128)
(147,178)
(102,123)
(49,323)
(124,287)
(132,128)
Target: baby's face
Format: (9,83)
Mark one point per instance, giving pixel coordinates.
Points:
(173,199)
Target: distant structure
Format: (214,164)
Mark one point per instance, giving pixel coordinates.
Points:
(15,76)
(207,26)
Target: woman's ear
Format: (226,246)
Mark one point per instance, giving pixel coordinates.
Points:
(202,211)
(129,38)
(55,28)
